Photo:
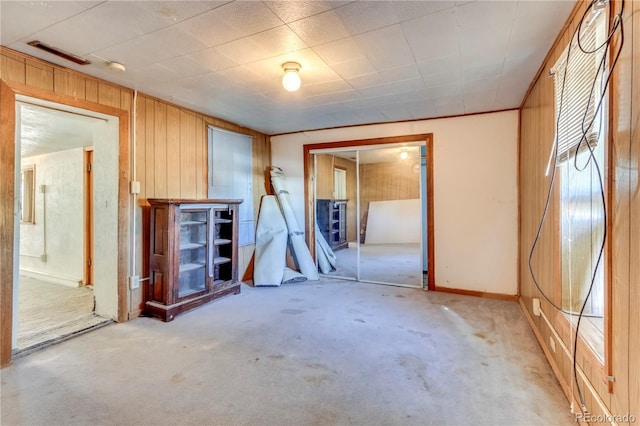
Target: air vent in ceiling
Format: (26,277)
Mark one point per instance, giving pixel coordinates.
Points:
(61,53)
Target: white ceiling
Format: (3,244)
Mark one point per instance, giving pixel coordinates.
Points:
(45,130)
(362,62)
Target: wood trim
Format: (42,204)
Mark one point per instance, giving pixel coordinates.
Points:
(7,200)
(475,293)
(369,142)
(9,92)
(431,220)
(309,194)
(518,184)
(413,120)
(88,217)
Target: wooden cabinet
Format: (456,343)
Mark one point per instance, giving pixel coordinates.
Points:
(332,221)
(193,254)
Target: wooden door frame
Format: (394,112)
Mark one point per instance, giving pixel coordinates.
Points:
(88,216)
(309,194)
(8,93)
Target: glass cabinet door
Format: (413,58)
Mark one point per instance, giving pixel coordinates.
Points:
(194,231)
(223,248)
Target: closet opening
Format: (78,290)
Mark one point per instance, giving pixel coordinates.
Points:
(369,210)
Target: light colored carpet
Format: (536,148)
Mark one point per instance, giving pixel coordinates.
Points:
(49,312)
(324,353)
(385,263)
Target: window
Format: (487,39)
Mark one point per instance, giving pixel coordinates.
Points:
(580,162)
(231,176)
(339,184)
(27,194)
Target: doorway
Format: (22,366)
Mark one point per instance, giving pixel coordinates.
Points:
(54,281)
(377,221)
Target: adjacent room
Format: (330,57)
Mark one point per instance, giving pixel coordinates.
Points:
(56,278)
(319,212)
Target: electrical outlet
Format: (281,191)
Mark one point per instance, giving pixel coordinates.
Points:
(134,282)
(135,187)
(552,343)
(536,307)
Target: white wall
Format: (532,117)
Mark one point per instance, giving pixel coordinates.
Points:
(59,211)
(105,217)
(475,192)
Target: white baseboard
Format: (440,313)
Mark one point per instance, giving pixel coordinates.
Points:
(52,278)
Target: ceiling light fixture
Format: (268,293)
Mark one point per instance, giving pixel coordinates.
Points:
(404,154)
(116,66)
(291,78)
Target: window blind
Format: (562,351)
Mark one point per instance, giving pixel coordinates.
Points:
(576,96)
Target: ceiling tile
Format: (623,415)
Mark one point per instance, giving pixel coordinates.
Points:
(449,110)
(362,16)
(319,29)
(210,58)
(244,74)
(152,73)
(290,11)
(266,44)
(430,58)
(440,65)
(447,100)
(185,65)
(441,78)
(335,86)
(154,47)
(485,14)
(339,51)
(486,40)
(408,72)
(474,86)
(386,48)
(394,87)
(230,22)
(482,70)
(354,68)
(38,15)
(442,23)
(432,36)
(407,10)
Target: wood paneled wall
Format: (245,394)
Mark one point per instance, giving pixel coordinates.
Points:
(387,181)
(18,68)
(171,141)
(171,151)
(324,176)
(325,163)
(536,135)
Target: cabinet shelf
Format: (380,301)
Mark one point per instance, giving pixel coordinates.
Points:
(221,241)
(192,222)
(220,260)
(190,246)
(332,221)
(219,220)
(191,266)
